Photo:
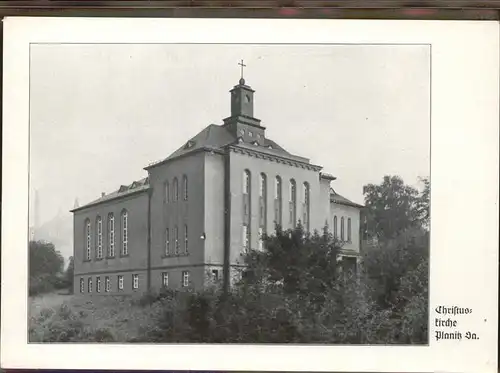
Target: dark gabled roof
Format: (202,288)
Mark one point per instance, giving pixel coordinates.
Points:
(337,198)
(214,137)
(124,190)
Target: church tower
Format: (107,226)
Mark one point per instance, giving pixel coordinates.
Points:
(242,122)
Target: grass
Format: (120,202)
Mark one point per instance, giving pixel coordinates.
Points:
(91,318)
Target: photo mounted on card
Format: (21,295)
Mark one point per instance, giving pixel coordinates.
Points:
(302,192)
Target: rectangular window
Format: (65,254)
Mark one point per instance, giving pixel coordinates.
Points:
(107,284)
(135,281)
(167,242)
(120,282)
(186,239)
(261,243)
(185,188)
(245,237)
(176,240)
(215,274)
(164,279)
(82,285)
(111,228)
(98,284)
(89,284)
(185,278)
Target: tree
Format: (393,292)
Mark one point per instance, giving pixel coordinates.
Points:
(393,206)
(45,267)
(44,259)
(296,262)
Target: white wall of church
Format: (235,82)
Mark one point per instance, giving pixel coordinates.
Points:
(241,162)
(347,212)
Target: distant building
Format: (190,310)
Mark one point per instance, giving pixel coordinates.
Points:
(188,222)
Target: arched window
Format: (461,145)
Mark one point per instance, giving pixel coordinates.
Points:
(185,188)
(111,235)
(335,232)
(293,202)
(99,238)
(167,192)
(342,229)
(246,182)
(349,238)
(88,239)
(125,232)
(176,190)
(186,239)
(167,242)
(176,240)
(306,206)
(263,201)
(277,200)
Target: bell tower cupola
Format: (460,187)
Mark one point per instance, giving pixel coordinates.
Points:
(242,97)
(242,121)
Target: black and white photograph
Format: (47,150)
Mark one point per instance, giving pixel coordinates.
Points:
(236,193)
(278,198)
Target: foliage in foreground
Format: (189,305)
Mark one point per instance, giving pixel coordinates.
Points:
(295,291)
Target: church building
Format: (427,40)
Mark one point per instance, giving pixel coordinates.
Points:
(187,223)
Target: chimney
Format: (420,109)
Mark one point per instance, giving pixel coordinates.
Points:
(103,194)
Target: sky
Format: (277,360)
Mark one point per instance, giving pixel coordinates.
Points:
(100,113)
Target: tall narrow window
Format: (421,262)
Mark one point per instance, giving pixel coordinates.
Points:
(293,203)
(349,238)
(98,284)
(176,240)
(277,200)
(186,250)
(306,206)
(246,237)
(176,190)
(185,278)
(185,188)
(164,279)
(124,233)
(88,239)
(167,192)
(167,242)
(342,228)
(135,281)
(120,282)
(261,242)
(335,232)
(82,285)
(263,201)
(89,284)
(111,235)
(107,284)
(246,182)
(99,238)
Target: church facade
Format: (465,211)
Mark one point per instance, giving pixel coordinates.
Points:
(187,223)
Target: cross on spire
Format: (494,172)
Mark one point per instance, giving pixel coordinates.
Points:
(242,66)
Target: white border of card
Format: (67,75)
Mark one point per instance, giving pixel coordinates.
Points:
(464,202)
